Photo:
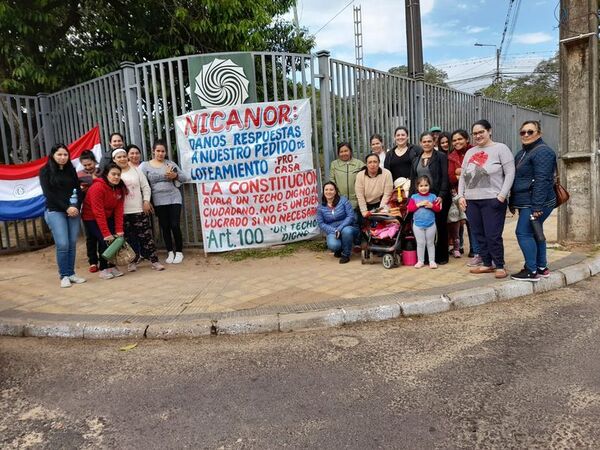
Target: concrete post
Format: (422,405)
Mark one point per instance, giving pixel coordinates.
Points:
(478,105)
(579,166)
(131,103)
(325,90)
(47,123)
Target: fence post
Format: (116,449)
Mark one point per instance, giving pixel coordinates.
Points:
(47,123)
(131,101)
(419,103)
(516,140)
(325,90)
(478,105)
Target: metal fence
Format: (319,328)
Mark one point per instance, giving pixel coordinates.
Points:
(141,101)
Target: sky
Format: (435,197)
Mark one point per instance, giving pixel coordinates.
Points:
(450,28)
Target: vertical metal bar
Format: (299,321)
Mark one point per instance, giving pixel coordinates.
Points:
(165,108)
(156,105)
(349,100)
(11,126)
(335,101)
(303,74)
(294,87)
(264,78)
(355,79)
(29,108)
(149,108)
(181,81)
(140,110)
(22,140)
(313,99)
(3,131)
(40,131)
(274,68)
(284,77)
(343,98)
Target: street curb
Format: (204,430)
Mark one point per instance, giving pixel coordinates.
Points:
(391,307)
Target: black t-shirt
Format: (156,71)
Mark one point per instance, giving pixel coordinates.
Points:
(400,166)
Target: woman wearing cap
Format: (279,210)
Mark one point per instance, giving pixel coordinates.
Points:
(434,165)
(136,210)
(165,178)
(487,175)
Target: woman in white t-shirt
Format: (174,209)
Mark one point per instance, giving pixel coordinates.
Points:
(137,208)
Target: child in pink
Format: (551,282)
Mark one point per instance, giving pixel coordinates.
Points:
(424,206)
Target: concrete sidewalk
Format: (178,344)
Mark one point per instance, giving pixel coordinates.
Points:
(214,295)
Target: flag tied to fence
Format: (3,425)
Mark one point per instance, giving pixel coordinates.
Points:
(21,195)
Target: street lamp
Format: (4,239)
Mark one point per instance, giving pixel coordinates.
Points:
(497,78)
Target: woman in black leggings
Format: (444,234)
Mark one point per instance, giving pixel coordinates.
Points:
(165,178)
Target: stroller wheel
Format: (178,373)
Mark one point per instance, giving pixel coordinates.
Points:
(365,256)
(388,261)
(396,259)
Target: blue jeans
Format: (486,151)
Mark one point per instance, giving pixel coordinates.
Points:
(65,231)
(344,243)
(533,251)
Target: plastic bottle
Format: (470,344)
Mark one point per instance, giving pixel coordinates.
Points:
(73,200)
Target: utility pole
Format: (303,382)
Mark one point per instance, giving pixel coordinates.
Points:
(414,43)
(358,37)
(414,40)
(579,164)
(497,77)
(296,22)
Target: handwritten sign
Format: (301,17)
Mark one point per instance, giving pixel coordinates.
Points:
(254,168)
(245,141)
(259,212)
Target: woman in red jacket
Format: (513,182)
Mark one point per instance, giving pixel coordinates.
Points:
(103,213)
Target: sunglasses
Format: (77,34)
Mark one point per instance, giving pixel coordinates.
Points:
(527,132)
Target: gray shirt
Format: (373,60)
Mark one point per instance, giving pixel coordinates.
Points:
(164,191)
(487,172)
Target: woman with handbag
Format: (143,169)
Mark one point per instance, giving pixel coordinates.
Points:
(137,208)
(165,179)
(533,195)
(103,213)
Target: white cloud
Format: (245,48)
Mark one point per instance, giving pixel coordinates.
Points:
(532,38)
(475,30)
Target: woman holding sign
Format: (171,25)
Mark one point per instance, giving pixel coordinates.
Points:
(335,217)
(165,179)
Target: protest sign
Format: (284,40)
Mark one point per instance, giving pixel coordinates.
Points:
(245,141)
(259,212)
(254,168)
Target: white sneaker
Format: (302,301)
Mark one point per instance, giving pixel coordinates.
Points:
(131,267)
(77,280)
(65,282)
(106,274)
(170,258)
(178,258)
(116,272)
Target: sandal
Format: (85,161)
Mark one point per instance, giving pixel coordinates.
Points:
(501,273)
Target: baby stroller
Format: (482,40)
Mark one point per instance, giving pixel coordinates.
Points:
(384,230)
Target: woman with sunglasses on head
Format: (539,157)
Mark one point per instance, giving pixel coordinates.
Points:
(165,179)
(60,186)
(533,196)
(487,174)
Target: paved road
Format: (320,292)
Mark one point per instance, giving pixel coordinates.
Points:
(524,373)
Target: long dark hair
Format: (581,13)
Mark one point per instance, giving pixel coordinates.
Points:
(445,134)
(121,186)
(336,199)
(54,168)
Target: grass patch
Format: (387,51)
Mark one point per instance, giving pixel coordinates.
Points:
(315,245)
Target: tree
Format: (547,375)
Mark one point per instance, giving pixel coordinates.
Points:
(433,75)
(538,91)
(46,45)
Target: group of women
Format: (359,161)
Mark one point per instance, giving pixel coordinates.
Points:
(481,180)
(115,199)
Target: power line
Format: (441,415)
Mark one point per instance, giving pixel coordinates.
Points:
(337,14)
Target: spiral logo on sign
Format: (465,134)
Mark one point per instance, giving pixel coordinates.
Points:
(221,83)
